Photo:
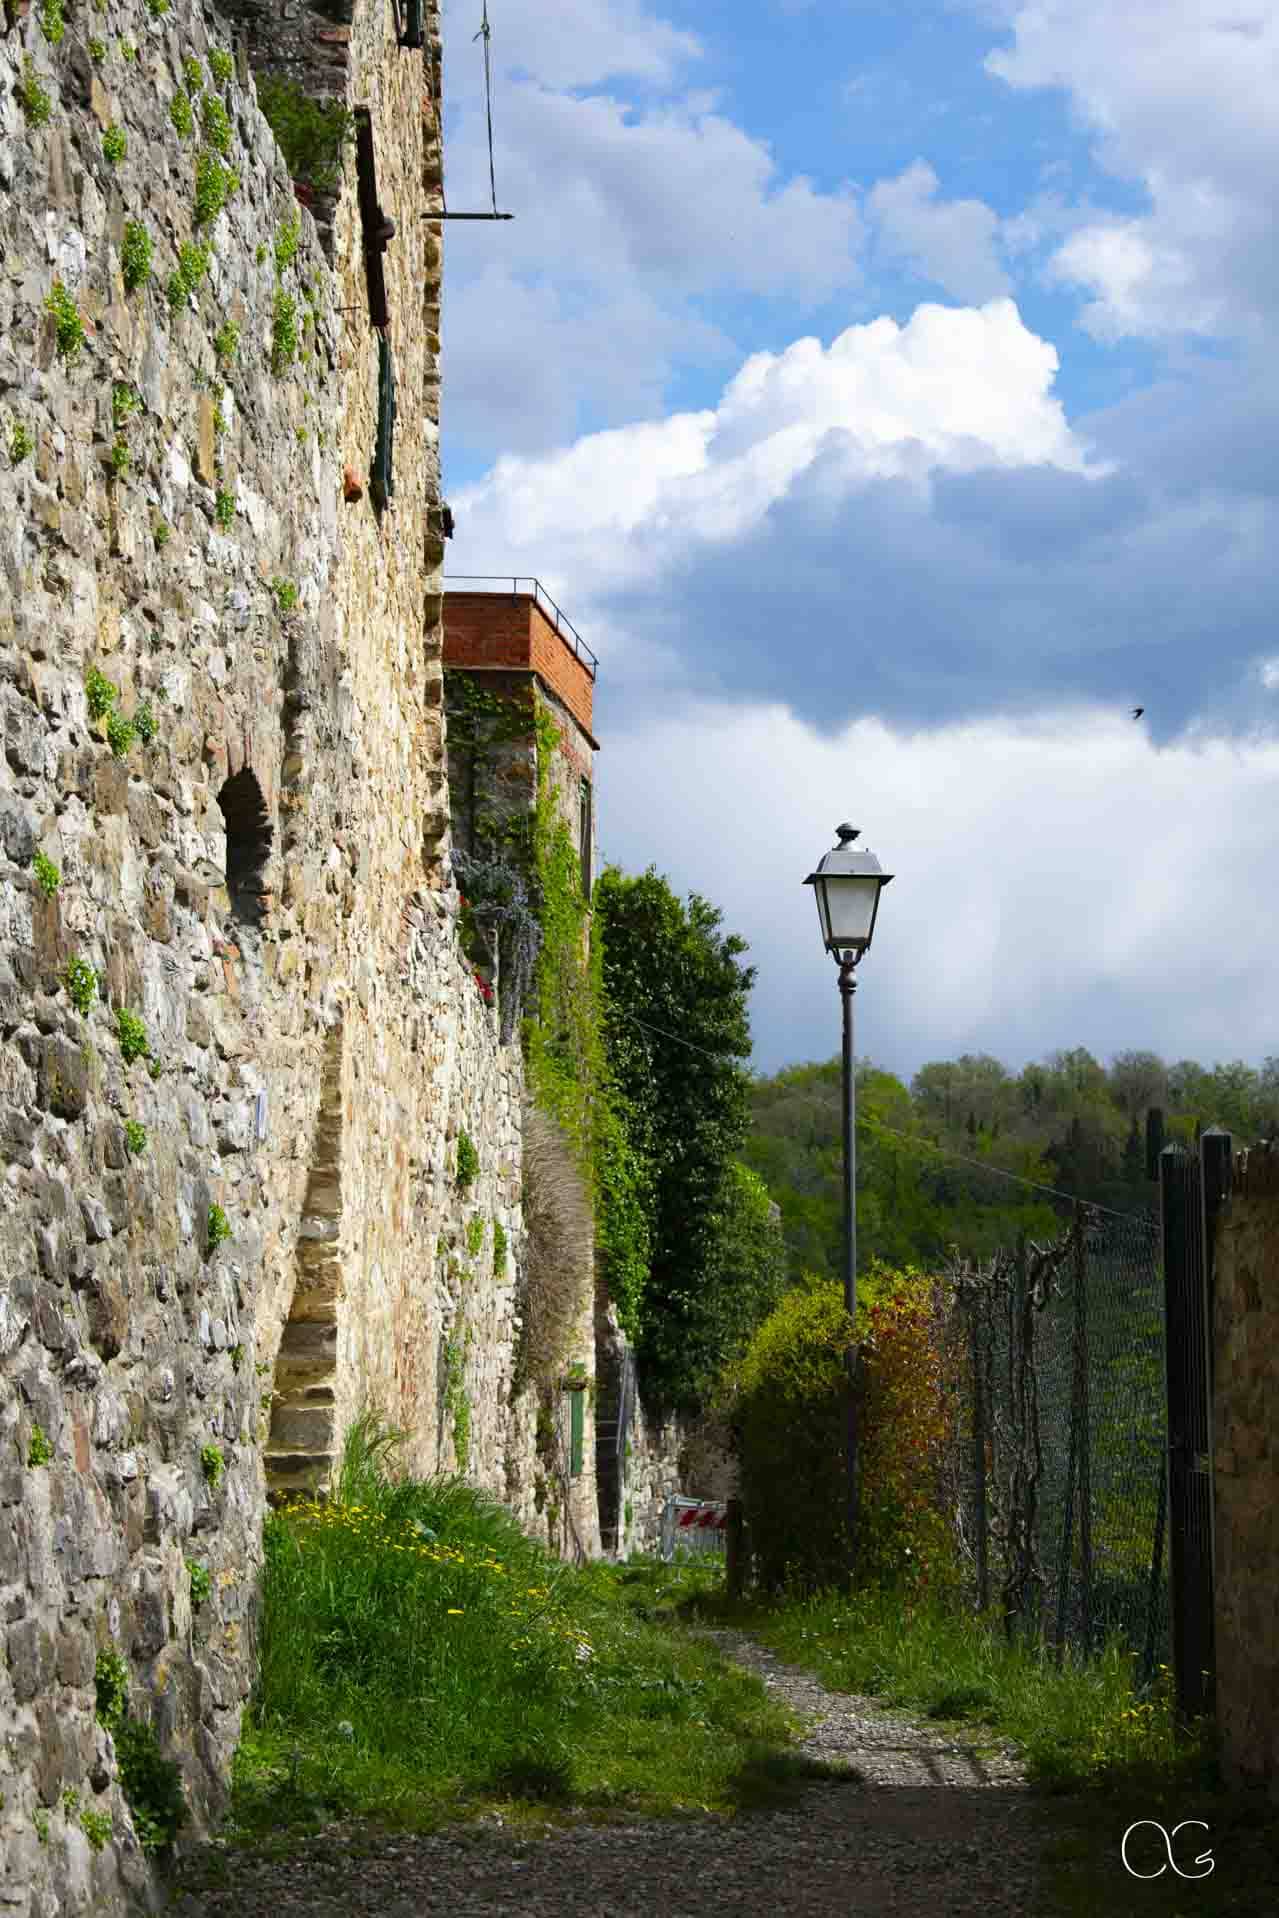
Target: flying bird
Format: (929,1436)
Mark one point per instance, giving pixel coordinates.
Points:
(1137,711)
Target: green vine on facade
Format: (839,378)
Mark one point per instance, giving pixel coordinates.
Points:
(457,1400)
(522,884)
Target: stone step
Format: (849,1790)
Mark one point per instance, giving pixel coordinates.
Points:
(289,1474)
(298,1428)
(309,1338)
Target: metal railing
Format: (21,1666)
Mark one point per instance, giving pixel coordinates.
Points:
(532,589)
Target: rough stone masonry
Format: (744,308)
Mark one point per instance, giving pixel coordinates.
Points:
(240,1043)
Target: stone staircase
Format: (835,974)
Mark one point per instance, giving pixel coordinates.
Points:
(300,1445)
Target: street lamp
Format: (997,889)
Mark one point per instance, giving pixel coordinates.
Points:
(847,886)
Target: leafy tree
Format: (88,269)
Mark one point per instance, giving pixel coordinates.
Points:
(744,1278)
(913,1200)
(672,980)
(1137,1081)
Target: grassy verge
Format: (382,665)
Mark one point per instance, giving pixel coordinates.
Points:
(1107,1757)
(423,1661)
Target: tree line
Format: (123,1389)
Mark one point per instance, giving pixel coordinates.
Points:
(958,1158)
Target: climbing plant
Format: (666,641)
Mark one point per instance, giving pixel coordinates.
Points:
(674,998)
(522,882)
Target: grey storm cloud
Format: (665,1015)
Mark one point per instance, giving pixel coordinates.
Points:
(995,589)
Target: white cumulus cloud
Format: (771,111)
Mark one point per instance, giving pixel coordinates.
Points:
(955,389)
(951,242)
(1044,871)
(1180,96)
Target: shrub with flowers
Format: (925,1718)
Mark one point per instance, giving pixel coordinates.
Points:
(788,1403)
(903,1425)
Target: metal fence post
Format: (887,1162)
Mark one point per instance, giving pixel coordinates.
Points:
(1156,1567)
(979,1456)
(1085,1441)
(1068,1518)
(1215,1153)
(1189,1508)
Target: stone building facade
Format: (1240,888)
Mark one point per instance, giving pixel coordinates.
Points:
(240,1040)
(241,1043)
(519,650)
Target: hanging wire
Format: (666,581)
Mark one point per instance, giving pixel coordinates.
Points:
(485,33)
(916,1144)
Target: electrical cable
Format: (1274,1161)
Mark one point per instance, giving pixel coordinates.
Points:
(485,34)
(922,1145)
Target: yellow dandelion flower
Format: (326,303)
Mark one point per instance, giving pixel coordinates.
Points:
(455,1611)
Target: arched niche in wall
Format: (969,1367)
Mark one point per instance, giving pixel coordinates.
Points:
(248,844)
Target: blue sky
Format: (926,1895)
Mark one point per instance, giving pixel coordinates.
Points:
(887,395)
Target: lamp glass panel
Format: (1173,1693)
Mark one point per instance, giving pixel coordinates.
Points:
(850,907)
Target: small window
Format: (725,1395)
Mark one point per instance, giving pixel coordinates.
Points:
(248,844)
(376,228)
(585,834)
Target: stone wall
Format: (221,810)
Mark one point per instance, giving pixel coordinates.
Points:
(231,1216)
(661,1456)
(258,874)
(1246,1473)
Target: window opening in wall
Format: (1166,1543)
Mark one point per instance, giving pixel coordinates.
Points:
(408,23)
(378,230)
(248,844)
(584,834)
(381,482)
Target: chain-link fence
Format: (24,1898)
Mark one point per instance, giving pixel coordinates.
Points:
(1054,1470)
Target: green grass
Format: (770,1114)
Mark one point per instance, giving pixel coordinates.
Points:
(212,186)
(1107,1757)
(423,1660)
(193,264)
(216,123)
(1080,1726)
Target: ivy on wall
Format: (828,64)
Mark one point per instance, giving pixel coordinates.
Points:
(562,1026)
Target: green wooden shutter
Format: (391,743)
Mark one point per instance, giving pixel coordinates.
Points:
(382,484)
(577,1401)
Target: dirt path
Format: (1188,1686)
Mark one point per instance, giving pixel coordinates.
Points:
(922,1824)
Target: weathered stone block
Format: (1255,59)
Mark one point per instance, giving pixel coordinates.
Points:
(108,1315)
(31,1659)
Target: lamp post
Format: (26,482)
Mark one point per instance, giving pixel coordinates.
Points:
(847,886)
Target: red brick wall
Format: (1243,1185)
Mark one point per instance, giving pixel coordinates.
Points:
(501,629)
